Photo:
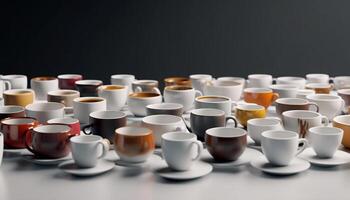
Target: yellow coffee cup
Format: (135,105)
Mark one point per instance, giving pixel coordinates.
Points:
(18,97)
(245,112)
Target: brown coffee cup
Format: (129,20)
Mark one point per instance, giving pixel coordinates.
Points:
(11,111)
(65,97)
(286,104)
(18,97)
(320,88)
(177,80)
(88,88)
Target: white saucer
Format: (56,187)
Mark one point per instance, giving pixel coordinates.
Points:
(339,158)
(151,160)
(245,158)
(198,169)
(27,156)
(296,166)
(71,168)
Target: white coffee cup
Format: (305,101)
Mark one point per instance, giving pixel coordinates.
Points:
(183,95)
(1,101)
(317,78)
(292,80)
(341,82)
(83,106)
(217,102)
(1,146)
(86,149)
(115,95)
(161,124)
(4,85)
(180,150)
(301,120)
(304,92)
(123,79)
(137,102)
(285,91)
(330,105)
(230,89)
(43,85)
(16,81)
(259,80)
(258,125)
(325,140)
(281,146)
(232,78)
(45,111)
(145,86)
(200,80)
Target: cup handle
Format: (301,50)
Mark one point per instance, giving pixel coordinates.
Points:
(199,149)
(198,93)
(274,80)
(138,89)
(7,85)
(27,139)
(105,147)
(234,120)
(324,120)
(275,96)
(303,147)
(86,127)
(156,90)
(316,106)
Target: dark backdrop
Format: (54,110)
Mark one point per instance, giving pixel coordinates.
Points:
(155,39)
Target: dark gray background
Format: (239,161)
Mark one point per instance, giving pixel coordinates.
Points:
(156,39)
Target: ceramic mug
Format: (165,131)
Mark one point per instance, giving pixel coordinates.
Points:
(180,150)
(183,95)
(177,80)
(115,95)
(317,78)
(325,141)
(134,144)
(73,123)
(341,82)
(215,102)
(123,79)
(16,81)
(64,97)
(231,89)
(226,144)
(320,88)
(260,96)
(83,106)
(145,86)
(343,122)
(292,80)
(259,80)
(18,97)
(45,111)
(285,91)
(165,109)
(285,104)
(67,81)
(4,85)
(345,95)
(42,85)
(88,88)
(330,105)
(137,102)
(257,126)
(200,80)
(11,111)
(245,112)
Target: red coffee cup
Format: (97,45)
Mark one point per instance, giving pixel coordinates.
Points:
(15,130)
(73,123)
(67,81)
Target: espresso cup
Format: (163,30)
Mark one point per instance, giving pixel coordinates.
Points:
(165,109)
(345,95)
(281,146)
(292,80)
(317,78)
(320,88)
(160,124)
(215,102)
(231,89)
(180,150)
(330,105)
(73,123)
(183,95)
(205,118)
(286,104)
(259,80)
(11,111)
(325,140)
(301,120)
(257,126)
(14,130)
(341,82)
(226,144)
(16,81)
(18,97)
(134,144)
(145,86)
(49,141)
(86,150)
(123,79)
(67,81)
(115,95)
(260,96)
(343,122)
(200,80)
(245,112)
(137,102)
(64,97)
(88,88)
(42,85)
(183,81)
(285,91)
(301,94)
(83,106)
(45,111)
(104,123)
(4,85)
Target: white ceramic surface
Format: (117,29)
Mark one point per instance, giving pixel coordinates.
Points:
(325,140)
(256,126)
(71,168)
(231,89)
(330,105)
(183,97)
(45,111)
(339,158)
(17,81)
(200,80)
(292,80)
(259,80)
(137,105)
(123,79)
(217,102)
(82,110)
(116,98)
(199,169)
(42,87)
(285,91)
(317,78)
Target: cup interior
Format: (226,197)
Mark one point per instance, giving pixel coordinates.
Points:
(303,114)
(11,109)
(250,107)
(44,78)
(52,128)
(63,93)
(107,114)
(279,134)
(65,120)
(47,106)
(283,87)
(162,119)
(133,131)
(226,132)
(112,87)
(143,95)
(165,106)
(13,76)
(83,139)
(178,88)
(292,101)
(225,83)
(290,78)
(146,82)
(344,91)
(212,99)
(208,112)
(178,136)
(323,97)
(258,90)
(306,91)
(264,122)
(342,119)
(88,99)
(18,92)
(18,121)
(324,130)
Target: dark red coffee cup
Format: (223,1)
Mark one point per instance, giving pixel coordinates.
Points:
(73,123)
(67,81)
(11,111)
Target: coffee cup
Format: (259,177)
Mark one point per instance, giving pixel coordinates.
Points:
(123,79)
(104,123)
(64,97)
(137,102)
(317,78)
(11,111)
(235,79)
(177,80)
(343,122)
(285,91)
(42,85)
(1,101)
(145,86)
(320,88)
(200,80)
(16,81)
(83,106)
(245,112)
(14,130)
(301,120)
(88,88)
(73,123)
(49,141)
(304,92)
(285,104)
(18,97)
(341,82)
(115,95)
(257,126)
(165,109)
(261,96)
(45,111)
(183,95)
(86,150)
(226,144)
(281,146)
(67,81)
(180,150)
(345,95)
(4,85)
(325,140)
(216,102)
(259,80)
(292,80)
(160,124)
(134,144)
(330,105)
(205,118)
(231,89)
(1,146)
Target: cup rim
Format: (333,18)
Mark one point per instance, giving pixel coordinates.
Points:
(12,76)
(119,76)
(55,106)
(233,84)
(18,109)
(200,99)
(111,114)
(141,131)
(228,132)
(283,87)
(337,131)
(89,82)
(70,76)
(4,121)
(313,75)
(258,90)
(345,91)
(286,101)
(78,100)
(116,87)
(173,88)
(145,82)
(339,119)
(288,114)
(255,122)
(16,92)
(44,79)
(200,76)
(210,112)
(134,95)
(63,120)
(37,129)
(316,97)
(268,134)
(176,106)
(259,76)
(318,85)
(170,136)
(290,78)
(79,139)
(152,119)
(250,107)
(60,92)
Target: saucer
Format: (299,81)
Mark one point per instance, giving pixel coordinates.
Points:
(27,156)
(71,168)
(296,166)
(152,159)
(245,158)
(339,158)
(197,170)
